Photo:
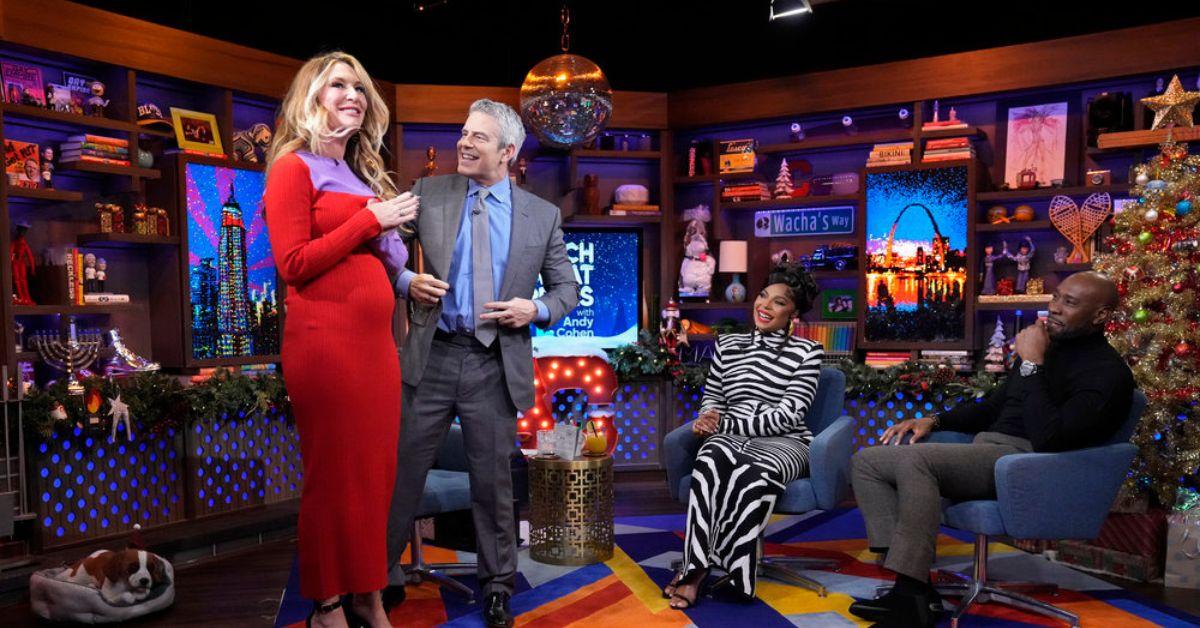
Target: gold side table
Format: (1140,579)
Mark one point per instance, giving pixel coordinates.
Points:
(571,510)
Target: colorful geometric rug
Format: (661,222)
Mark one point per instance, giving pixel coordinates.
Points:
(625,592)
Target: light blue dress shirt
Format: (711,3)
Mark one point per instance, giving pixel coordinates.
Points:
(458,306)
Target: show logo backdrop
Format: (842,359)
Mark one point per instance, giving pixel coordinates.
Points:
(916,245)
(232,274)
(607,266)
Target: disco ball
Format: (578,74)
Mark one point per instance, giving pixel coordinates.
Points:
(566,100)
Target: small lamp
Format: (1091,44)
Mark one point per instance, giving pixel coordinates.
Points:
(732,259)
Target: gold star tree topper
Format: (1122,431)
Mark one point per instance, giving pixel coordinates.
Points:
(1174,106)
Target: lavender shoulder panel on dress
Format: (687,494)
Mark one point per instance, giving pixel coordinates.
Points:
(329,175)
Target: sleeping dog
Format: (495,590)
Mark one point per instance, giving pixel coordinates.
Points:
(123,577)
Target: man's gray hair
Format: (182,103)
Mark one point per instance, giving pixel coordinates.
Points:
(512,130)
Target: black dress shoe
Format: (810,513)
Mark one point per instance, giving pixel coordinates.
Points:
(496,612)
(908,610)
(393,596)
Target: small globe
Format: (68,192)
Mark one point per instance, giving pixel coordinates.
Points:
(566,100)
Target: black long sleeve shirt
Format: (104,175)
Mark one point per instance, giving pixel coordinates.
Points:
(1078,398)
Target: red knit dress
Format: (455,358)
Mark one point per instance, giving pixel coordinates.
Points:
(341,369)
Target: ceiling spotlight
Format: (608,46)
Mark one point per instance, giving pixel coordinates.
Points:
(421,7)
(788,8)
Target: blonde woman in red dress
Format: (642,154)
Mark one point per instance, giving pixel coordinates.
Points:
(326,219)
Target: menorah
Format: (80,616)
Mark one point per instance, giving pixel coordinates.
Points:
(72,355)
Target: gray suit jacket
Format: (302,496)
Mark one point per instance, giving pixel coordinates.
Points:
(536,247)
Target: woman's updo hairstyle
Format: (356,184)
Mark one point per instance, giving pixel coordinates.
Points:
(802,288)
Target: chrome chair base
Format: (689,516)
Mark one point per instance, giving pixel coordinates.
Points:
(419,571)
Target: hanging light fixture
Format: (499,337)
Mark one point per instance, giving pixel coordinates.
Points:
(566,99)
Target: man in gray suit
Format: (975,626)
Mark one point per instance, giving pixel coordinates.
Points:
(484,242)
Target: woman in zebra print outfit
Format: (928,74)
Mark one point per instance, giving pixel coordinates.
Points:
(758,391)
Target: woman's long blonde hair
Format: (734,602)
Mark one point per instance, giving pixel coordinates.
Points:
(304,123)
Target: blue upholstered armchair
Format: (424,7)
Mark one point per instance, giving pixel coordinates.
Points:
(827,484)
(1063,495)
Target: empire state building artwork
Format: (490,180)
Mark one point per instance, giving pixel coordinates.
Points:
(235,312)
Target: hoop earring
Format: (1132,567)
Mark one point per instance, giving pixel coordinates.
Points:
(792,327)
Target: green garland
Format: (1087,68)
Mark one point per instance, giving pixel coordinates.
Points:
(647,358)
(158,401)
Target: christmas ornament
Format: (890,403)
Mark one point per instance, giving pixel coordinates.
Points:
(1183,349)
(1140,316)
(566,98)
(1151,215)
(1182,208)
(1177,288)
(1141,178)
(1076,223)
(1157,184)
(119,411)
(1145,237)
(1173,106)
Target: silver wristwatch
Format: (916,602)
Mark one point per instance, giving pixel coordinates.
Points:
(1029,368)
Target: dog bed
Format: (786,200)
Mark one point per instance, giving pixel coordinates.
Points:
(54,598)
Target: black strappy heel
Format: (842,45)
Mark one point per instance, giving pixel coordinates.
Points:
(322,609)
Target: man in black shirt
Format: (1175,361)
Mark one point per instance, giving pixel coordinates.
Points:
(1070,390)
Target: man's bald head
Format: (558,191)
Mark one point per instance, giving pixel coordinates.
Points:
(1081,305)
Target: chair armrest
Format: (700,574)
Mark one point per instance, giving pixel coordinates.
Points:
(829,462)
(452,455)
(948,437)
(1063,495)
(679,450)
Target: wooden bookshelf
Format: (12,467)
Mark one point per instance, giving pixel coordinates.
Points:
(1043,193)
(848,140)
(720,306)
(794,202)
(1032,225)
(62,117)
(124,240)
(96,168)
(938,134)
(99,308)
(45,194)
(1145,139)
(1023,304)
(585,153)
(585,220)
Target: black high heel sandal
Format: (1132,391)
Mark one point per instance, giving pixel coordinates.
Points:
(353,619)
(701,587)
(322,609)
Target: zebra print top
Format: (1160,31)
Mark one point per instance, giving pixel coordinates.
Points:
(763,384)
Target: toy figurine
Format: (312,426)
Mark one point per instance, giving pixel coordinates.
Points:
(1060,255)
(47,167)
(698,266)
(989,260)
(1024,258)
(89,273)
(796,132)
(522,171)
(22,265)
(430,161)
(248,143)
(101,273)
(591,195)
(96,102)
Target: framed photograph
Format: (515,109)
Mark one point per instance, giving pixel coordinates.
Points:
(22,164)
(1036,137)
(839,304)
(232,314)
(918,282)
(197,131)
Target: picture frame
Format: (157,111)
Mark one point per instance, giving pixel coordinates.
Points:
(1038,131)
(839,305)
(197,131)
(904,304)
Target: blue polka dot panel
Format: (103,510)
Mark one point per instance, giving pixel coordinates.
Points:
(687,404)
(240,462)
(87,487)
(641,422)
(874,416)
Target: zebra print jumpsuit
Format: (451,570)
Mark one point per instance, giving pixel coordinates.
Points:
(762,385)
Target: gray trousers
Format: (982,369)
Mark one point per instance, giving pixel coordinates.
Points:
(899,490)
(462,379)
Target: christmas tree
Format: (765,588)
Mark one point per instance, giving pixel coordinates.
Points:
(1155,260)
(783,181)
(994,357)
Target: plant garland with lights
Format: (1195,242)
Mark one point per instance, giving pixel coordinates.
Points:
(159,402)
(1155,260)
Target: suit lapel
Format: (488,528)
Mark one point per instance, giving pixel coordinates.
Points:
(516,241)
(452,203)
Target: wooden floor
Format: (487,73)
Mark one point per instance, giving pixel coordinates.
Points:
(244,589)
